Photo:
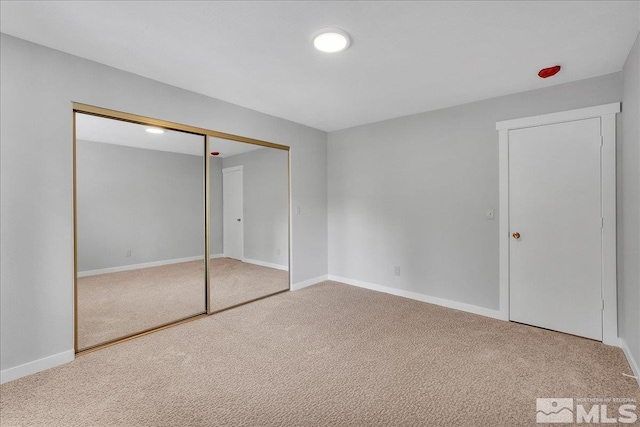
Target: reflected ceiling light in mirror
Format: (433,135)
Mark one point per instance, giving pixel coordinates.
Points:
(155,130)
(331,40)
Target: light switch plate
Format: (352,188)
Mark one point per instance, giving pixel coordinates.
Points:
(490,214)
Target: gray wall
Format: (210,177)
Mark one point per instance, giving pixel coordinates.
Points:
(146,201)
(266,204)
(629,206)
(38,87)
(414,191)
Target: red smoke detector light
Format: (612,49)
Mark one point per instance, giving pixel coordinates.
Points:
(215,153)
(548,72)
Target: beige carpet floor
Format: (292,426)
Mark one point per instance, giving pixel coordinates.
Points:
(114,305)
(327,355)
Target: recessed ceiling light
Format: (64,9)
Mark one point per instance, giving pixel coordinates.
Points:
(331,40)
(155,130)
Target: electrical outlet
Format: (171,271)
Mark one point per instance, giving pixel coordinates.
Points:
(278,251)
(128,253)
(396,270)
(298,210)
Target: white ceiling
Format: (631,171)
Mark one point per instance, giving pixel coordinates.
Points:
(108,131)
(405,57)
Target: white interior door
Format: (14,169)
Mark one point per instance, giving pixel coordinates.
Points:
(555,206)
(232,213)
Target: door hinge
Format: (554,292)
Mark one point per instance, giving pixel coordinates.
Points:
(602,305)
(601,140)
(601,222)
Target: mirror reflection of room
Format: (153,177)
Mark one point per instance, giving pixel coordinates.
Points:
(140,228)
(249,225)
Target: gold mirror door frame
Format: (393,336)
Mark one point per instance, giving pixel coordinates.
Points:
(206,133)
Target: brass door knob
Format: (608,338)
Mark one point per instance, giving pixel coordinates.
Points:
(516,235)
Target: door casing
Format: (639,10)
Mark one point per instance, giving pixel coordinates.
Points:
(607,114)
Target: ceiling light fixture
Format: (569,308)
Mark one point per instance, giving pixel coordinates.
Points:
(331,40)
(155,130)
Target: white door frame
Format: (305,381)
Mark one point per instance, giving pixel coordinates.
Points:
(224,171)
(607,115)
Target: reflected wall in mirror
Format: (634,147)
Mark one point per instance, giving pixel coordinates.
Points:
(249,224)
(139,228)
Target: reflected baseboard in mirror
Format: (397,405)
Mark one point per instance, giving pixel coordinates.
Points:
(140,209)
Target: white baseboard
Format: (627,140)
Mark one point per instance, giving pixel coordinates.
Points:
(470,308)
(36,366)
(266,264)
(136,266)
(632,362)
(172,261)
(310,282)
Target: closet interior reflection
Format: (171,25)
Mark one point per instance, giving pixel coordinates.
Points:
(149,196)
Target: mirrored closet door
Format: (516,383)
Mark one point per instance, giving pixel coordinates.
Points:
(140,229)
(249,225)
